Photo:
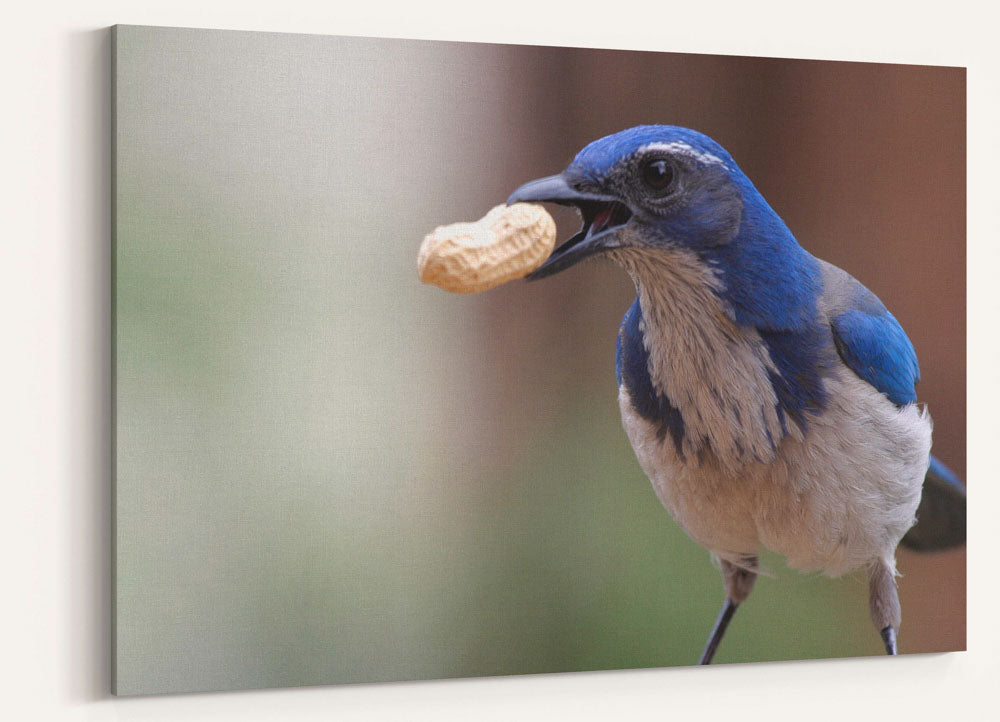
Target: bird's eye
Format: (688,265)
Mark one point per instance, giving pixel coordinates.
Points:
(657,174)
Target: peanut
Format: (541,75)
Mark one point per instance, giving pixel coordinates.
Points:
(508,242)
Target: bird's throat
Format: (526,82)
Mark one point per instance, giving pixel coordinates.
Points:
(706,378)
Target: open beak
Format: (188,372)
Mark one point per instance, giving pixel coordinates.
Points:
(602,217)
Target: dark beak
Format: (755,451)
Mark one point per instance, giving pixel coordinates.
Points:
(602,216)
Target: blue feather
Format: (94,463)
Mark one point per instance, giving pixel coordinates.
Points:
(771,282)
(875,347)
(941,516)
(937,467)
(632,371)
(801,360)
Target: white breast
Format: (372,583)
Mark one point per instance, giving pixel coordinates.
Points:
(837,499)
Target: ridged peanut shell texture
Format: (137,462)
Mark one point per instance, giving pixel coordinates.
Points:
(508,242)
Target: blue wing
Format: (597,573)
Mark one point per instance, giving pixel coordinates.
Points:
(874,346)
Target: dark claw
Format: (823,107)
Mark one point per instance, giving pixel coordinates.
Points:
(889,638)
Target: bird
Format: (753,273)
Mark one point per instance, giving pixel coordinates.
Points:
(768,395)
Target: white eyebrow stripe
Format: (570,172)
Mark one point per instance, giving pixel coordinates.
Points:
(683,148)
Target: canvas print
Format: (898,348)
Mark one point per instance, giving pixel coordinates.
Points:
(444,360)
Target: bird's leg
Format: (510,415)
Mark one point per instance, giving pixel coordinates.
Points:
(884,602)
(721,622)
(739,582)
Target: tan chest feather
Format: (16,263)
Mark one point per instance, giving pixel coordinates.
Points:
(712,371)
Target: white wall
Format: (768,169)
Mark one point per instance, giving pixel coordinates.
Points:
(55,381)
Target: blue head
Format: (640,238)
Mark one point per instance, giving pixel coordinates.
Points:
(654,188)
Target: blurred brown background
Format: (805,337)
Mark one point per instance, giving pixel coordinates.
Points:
(327,472)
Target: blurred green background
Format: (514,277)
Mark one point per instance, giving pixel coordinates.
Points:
(327,472)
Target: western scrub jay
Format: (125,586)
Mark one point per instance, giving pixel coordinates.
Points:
(768,395)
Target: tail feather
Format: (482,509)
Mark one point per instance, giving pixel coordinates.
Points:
(941,514)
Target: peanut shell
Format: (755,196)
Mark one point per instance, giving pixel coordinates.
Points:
(509,242)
